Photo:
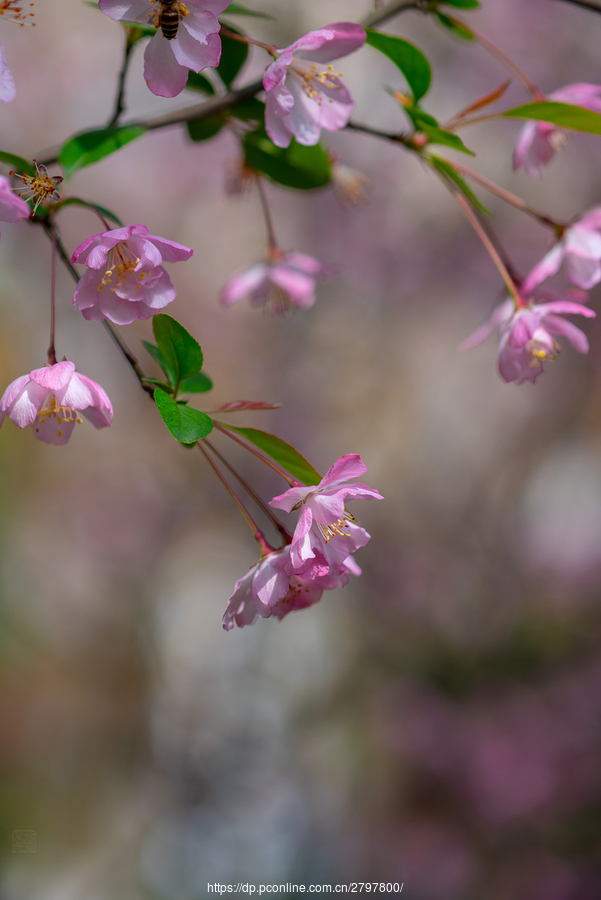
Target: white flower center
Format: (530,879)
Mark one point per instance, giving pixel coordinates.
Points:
(313,79)
(50,408)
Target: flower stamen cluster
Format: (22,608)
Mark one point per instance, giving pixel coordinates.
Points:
(63,414)
(308,75)
(14,11)
(42,186)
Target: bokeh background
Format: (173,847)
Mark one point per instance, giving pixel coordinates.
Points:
(438,722)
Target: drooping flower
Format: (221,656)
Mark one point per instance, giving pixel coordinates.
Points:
(125,280)
(350,185)
(528,335)
(579,248)
(538,142)
(12,207)
(195,46)
(325,528)
(8,90)
(272,588)
(285,281)
(51,398)
(303,92)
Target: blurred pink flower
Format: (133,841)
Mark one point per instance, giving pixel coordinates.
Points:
(7,82)
(196,46)
(272,588)
(50,398)
(527,335)
(538,142)
(303,96)
(125,280)
(12,207)
(579,248)
(324,526)
(284,282)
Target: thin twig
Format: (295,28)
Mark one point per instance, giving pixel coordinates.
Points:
(119,104)
(266,215)
(51,348)
(379,16)
(293,482)
(585,4)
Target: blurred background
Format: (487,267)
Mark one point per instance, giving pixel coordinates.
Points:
(436,723)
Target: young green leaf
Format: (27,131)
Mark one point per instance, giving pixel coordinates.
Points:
(463,4)
(239,10)
(283,453)
(440,136)
(158,357)
(449,172)
(198,384)
(458,28)
(17,163)
(233,57)
(185,424)
(295,166)
(90,146)
(75,201)
(409,59)
(180,351)
(563,114)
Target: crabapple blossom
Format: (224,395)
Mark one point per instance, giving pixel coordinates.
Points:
(50,399)
(285,281)
(272,588)
(196,46)
(12,207)
(579,248)
(7,82)
(125,280)
(528,335)
(538,142)
(324,526)
(303,93)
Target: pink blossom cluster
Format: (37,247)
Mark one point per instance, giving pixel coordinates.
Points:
(318,559)
(281,283)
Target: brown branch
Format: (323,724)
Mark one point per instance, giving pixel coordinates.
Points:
(586,4)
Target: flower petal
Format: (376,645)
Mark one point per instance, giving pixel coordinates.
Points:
(162,72)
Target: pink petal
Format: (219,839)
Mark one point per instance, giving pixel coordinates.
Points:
(26,405)
(8,90)
(582,271)
(576,337)
(241,606)
(12,207)
(130,10)
(159,294)
(300,287)
(290,498)
(162,72)
(244,283)
(275,125)
(548,266)
(346,37)
(54,378)
(501,313)
(346,467)
(200,23)
(12,392)
(276,72)
(75,395)
(195,55)
(566,307)
(48,430)
(522,327)
(170,250)
(118,310)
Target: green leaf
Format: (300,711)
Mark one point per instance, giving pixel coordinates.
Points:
(158,383)
(462,4)
(295,166)
(409,59)
(181,352)
(76,201)
(207,127)
(185,424)
(563,114)
(198,384)
(283,453)
(457,28)
(249,110)
(448,171)
(440,136)
(90,146)
(419,117)
(233,57)
(198,82)
(17,163)
(239,10)
(158,357)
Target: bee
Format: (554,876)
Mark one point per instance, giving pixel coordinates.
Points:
(168,18)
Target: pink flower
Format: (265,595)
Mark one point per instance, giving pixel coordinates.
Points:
(538,142)
(12,207)
(50,398)
(125,280)
(579,248)
(273,588)
(285,281)
(303,94)
(7,82)
(528,335)
(196,45)
(325,528)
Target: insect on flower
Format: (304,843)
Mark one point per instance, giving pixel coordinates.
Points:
(42,186)
(168,17)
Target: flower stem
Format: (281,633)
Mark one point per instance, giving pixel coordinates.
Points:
(257,533)
(503,58)
(273,244)
(509,282)
(51,350)
(119,104)
(258,500)
(271,48)
(507,196)
(225,430)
